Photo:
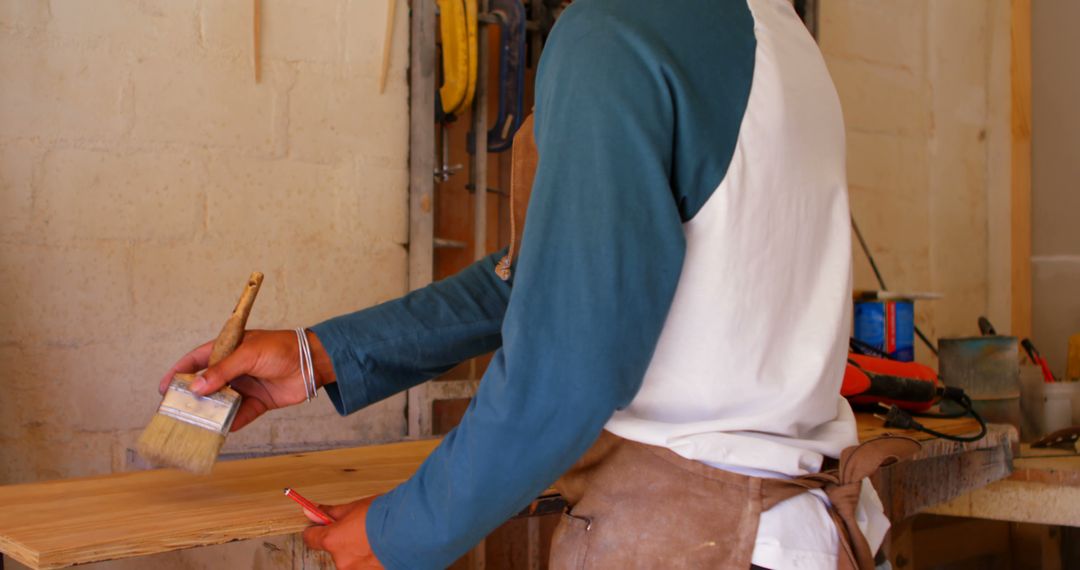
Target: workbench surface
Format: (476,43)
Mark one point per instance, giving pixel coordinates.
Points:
(1044,488)
(60,523)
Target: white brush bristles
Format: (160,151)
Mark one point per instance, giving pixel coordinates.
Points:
(168,442)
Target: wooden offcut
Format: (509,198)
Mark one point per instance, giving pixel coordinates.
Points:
(62,523)
(388,44)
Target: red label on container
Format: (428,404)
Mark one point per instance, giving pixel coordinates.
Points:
(890,328)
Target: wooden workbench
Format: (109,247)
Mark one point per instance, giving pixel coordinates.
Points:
(61,523)
(1044,488)
(943,469)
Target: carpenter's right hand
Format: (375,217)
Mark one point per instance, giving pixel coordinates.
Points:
(264,368)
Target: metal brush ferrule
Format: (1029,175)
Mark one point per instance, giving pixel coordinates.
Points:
(214,412)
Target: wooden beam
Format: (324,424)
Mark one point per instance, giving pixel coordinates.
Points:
(1020,72)
(61,523)
(944,470)
(421,175)
(1042,490)
(478,170)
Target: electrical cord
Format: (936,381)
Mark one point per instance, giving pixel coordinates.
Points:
(866,349)
(896,417)
(881,280)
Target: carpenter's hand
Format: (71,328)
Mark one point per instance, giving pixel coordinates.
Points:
(345,540)
(265,369)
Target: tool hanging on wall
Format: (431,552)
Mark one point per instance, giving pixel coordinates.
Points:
(256,25)
(388,44)
(510,15)
(457,23)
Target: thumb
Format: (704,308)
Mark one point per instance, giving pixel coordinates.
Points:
(338,512)
(228,369)
(315,537)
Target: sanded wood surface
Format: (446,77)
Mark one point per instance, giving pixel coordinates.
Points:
(1044,488)
(1020,162)
(871,427)
(1048,465)
(61,523)
(943,469)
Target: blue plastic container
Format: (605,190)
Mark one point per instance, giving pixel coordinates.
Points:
(888,326)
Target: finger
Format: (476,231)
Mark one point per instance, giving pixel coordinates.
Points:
(232,366)
(338,512)
(315,537)
(314,517)
(193,361)
(250,409)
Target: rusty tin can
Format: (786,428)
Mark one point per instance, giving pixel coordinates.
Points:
(988,369)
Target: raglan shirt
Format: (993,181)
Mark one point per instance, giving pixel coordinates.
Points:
(647,115)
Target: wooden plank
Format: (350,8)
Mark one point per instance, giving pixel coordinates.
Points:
(1020,72)
(478,173)
(421,141)
(944,470)
(1042,490)
(1018,502)
(870,427)
(303,558)
(1035,547)
(1063,471)
(943,541)
(62,523)
(421,174)
(899,545)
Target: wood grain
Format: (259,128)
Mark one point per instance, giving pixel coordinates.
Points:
(871,427)
(1020,119)
(256,37)
(62,523)
(944,470)
(421,183)
(1044,489)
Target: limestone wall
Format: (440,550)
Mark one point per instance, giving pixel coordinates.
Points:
(144,174)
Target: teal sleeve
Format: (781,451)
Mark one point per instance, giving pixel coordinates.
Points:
(380,351)
(600,259)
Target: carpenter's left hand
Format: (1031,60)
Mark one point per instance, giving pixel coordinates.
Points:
(345,540)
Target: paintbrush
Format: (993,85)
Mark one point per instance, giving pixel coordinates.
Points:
(188,430)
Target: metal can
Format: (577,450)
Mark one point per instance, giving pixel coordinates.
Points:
(888,326)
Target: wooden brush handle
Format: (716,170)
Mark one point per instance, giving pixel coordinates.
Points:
(233,331)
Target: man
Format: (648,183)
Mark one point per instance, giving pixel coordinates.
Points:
(680,305)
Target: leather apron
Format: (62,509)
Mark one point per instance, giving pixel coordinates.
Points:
(636,506)
(639,506)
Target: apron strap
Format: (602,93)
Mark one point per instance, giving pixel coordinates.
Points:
(842,486)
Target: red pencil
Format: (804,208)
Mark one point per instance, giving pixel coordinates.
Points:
(326,519)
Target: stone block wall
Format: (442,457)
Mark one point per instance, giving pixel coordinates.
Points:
(144,174)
